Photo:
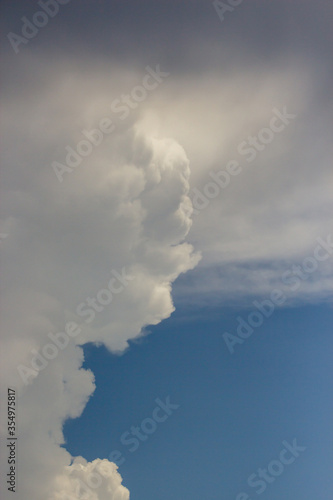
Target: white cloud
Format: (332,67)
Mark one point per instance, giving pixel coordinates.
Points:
(127,206)
(123,208)
(97,480)
(281,202)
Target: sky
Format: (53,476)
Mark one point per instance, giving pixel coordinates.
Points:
(166,250)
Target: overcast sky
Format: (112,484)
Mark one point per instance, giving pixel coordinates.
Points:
(164,158)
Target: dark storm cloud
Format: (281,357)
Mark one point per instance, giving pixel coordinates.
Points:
(186,36)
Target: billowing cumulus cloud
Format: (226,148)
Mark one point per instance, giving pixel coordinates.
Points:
(88,259)
(97,480)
